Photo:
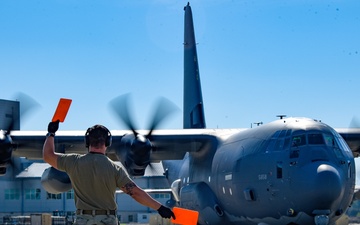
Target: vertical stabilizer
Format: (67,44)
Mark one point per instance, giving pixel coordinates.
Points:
(194,116)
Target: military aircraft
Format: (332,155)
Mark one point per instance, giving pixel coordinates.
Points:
(290,171)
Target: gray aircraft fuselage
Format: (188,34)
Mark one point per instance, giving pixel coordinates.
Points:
(284,172)
(291,171)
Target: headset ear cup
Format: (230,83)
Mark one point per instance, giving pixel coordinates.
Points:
(87,138)
(86,141)
(108,139)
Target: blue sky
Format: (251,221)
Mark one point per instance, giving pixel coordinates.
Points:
(257,59)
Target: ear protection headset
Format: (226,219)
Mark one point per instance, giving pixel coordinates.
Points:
(108,139)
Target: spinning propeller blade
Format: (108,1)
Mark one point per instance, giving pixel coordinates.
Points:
(120,106)
(27,104)
(164,108)
(138,146)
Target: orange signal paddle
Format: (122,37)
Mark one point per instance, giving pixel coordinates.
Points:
(62,110)
(185,216)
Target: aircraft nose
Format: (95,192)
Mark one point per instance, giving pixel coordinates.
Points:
(323,185)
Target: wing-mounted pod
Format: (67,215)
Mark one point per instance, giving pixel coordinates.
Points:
(55,181)
(135,149)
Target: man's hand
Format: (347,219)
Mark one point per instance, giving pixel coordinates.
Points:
(165,212)
(49,154)
(53,127)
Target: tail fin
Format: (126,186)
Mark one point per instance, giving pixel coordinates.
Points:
(194,116)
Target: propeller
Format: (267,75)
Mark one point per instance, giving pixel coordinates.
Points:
(355,122)
(138,146)
(350,136)
(6,144)
(27,104)
(121,108)
(163,109)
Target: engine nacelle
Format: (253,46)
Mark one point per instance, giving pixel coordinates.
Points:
(55,181)
(134,153)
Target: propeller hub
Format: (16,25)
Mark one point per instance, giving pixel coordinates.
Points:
(2,135)
(141,138)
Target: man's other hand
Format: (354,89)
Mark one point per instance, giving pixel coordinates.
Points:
(166,212)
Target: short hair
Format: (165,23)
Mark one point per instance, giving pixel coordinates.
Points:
(97,135)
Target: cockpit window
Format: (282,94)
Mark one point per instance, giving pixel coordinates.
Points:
(280,140)
(315,139)
(299,140)
(329,140)
(282,134)
(344,145)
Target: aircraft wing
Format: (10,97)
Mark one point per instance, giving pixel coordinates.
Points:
(168,144)
(29,144)
(352,138)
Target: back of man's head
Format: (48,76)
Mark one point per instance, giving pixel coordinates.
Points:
(97,135)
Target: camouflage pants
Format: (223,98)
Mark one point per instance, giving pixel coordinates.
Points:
(96,220)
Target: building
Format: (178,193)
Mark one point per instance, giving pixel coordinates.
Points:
(22,194)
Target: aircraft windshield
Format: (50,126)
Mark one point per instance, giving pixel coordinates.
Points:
(283,140)
(329,139)
(342,144)
(316,139)
(299,140)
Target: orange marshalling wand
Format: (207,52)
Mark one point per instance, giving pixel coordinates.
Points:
(62,109)
(185,216)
